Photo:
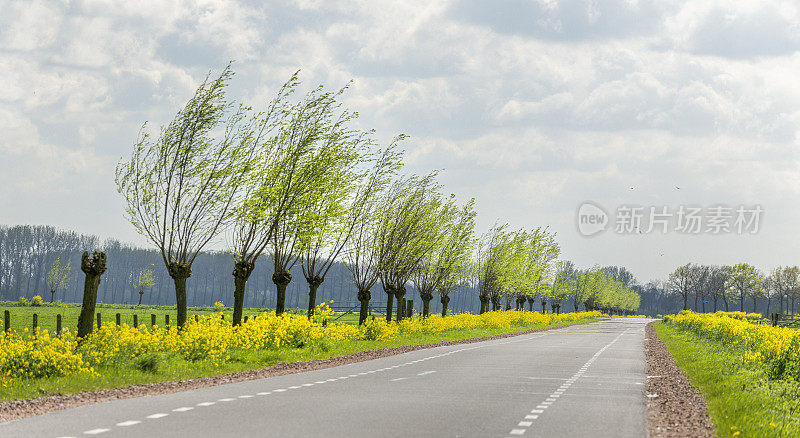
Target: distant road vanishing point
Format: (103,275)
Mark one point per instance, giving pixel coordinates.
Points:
(579,381)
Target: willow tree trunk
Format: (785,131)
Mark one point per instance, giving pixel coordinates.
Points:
(445,301)
(741,303)
(281,280)
(179,273)
(241,272)
(399,293)
(141,292)
(52,295)
(389,302)
(530,305)
(363,296)
(313,285)
(426,304)
(93,268)
(484,303)
(544,304)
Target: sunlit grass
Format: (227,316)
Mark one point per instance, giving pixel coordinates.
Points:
(742,400)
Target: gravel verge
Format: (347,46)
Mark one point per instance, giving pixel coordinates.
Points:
(675,408)
(16,409)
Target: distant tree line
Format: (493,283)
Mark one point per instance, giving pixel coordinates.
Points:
(29,252)
(741,287)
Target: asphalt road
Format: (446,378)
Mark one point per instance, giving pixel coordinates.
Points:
(579,381)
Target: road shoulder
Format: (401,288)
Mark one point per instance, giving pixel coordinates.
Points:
(675,408)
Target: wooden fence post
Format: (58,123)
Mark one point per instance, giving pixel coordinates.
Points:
(196,319)
(245,318)
(35,322)
(152,319)
(99,321)
(135,321)
(119,319)
(166,320)
(6,321)
(58,324)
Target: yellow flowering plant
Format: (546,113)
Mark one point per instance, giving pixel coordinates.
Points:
(30,355)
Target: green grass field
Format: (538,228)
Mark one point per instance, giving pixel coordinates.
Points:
(740,398)
(22,317)
(170,367)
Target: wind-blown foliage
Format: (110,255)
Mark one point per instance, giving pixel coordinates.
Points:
(180,188)
(446,266)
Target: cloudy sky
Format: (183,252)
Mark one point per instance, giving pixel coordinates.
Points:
(531,106)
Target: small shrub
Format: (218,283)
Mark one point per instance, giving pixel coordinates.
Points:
(23,302)
(36,301)
(147,363)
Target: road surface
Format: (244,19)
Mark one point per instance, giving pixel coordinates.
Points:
(580,381)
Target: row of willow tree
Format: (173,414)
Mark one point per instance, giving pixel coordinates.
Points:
(730,287)
(300,183)
(522,266)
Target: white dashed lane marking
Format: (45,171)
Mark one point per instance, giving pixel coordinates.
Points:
(319,382)
(155,416)
(540,408)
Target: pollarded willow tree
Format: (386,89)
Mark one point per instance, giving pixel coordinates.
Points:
(609,295)
(303,149)
(328,177)
(563,284)
(541,252)
(515,265)
(583,285)
(339,214)
(491,263)
(267,189)
(446,266)
(361,253)
(180,188)
(406,232)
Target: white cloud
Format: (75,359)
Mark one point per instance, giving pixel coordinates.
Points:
(530,106)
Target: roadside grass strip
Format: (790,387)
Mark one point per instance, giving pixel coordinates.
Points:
(747,372)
